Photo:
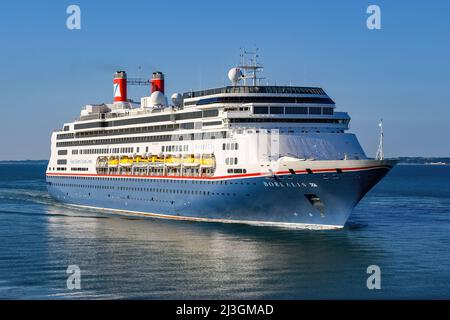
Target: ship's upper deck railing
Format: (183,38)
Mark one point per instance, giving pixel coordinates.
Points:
(255,89)
(131,112)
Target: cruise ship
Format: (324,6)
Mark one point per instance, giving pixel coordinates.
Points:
(244,153)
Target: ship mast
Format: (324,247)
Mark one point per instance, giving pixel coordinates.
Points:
(380,152)
(251,65)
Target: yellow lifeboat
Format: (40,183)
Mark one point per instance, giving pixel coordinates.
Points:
(198,159)
(126,161)
(173,160)
(189,160)
(156,160)
(113,162)
(208,161)
(140,161)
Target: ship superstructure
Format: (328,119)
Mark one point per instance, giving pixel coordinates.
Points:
(246,153)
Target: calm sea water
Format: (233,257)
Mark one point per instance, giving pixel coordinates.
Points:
(403,226)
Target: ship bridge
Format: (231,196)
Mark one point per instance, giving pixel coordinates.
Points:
(257,94)
(264,104)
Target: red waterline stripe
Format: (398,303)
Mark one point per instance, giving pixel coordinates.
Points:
(213,178)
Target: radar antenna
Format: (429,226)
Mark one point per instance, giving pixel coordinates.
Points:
(250,65)
(380,152)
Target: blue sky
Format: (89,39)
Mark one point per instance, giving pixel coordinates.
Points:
(400,73)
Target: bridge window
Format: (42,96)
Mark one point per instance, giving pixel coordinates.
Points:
(260,110)
(327,111)
(296,110)
(276,110)
(315,110)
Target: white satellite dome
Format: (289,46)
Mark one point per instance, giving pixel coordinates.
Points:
(158,98)
(177,99)
(234,75)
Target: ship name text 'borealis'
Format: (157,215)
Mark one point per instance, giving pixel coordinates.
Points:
(244,153)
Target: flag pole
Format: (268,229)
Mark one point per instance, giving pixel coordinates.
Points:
(380,152)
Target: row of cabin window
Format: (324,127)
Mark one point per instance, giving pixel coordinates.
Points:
(142,139)
(152,119)
(231,161)
(122,131)
(134,130)
(179,148)
(175,181)
(101,151)
(293,110)
(65,135)
(237,170)
(142,189)
(106,150)
(236,109)
(230,146)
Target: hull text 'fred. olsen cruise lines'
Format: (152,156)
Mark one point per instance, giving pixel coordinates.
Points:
(245,153)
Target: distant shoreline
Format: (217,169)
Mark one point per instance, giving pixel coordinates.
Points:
(23,161)
(432,161)
(422,164)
